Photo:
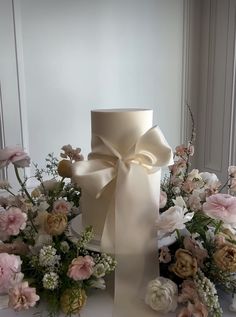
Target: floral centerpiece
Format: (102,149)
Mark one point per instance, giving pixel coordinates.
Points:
(195,207)
(39,259)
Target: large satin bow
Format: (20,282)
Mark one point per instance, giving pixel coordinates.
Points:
(129,229)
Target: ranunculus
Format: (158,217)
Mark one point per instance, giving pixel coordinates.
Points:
(72,300)
(225,258)
(56,223)
(172,219)
(64,168)
(22,297)
(81,268)
(185,265)
(162,295)
(15,156)
(10,271)
(163,199)
(11,222)
(61,205)
(221,206)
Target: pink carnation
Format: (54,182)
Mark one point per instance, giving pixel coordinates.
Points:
(11,222)
(14,155)
(22,297)
(221,206)
(81,268)
(61,205)
(10,267)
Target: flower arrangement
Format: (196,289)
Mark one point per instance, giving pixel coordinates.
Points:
(38,257)
(194,208)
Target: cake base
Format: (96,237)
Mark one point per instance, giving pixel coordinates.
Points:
(76,229)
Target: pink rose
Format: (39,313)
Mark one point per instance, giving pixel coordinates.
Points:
(22,297)
(188,292)
(14,155)
(221,206)
(81,268)
(61,205)
(163,199)
(199,253)
(11,222)
(10,267)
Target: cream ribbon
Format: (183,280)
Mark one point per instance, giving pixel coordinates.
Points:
(129,229)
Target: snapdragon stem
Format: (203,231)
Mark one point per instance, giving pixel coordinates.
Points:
(10,192)
(28,195)
(23,186)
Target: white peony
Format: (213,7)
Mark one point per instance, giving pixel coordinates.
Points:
(162,295)
(172,219)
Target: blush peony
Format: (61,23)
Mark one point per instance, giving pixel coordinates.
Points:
(10,267)
(12,221)
(81,268)
(22,297)
(222,207)
(15,156)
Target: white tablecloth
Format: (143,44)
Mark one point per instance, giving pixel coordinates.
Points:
(99,304)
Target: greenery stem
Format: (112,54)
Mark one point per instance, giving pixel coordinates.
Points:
(218,226)
(23,186)
(178,234)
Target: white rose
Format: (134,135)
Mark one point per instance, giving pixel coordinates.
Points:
(173,218)
(162,295)
(210,179)
(99,270)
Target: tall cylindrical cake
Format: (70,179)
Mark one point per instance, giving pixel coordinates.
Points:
(121,128)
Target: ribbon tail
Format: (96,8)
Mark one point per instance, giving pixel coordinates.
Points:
(135,238)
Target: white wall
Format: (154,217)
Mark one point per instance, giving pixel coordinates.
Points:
(77,55)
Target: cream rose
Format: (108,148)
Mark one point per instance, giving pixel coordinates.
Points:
(162,295)
(185,265)
(56,223)
(225,258)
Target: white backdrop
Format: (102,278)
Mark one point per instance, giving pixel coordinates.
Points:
(78,55)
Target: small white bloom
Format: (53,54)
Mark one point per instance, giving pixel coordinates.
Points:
(99,270)
(64,246)
(194,174)
(50,280)
(179,201)
(4,185)
(172,219)
(162,295)
(99,283)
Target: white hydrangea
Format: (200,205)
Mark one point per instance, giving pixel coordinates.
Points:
(50,281)
(48,256)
